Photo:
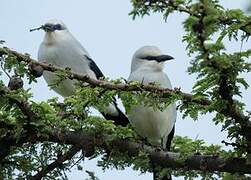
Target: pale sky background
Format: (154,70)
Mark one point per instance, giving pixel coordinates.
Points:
(111,37)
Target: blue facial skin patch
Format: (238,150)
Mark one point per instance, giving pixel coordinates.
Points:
(57,27)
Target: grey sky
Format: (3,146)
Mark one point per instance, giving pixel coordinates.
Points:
(111,37)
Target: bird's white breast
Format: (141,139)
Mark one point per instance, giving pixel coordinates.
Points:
(153,124)
(64,51)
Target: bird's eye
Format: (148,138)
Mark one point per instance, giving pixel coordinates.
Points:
(57,27)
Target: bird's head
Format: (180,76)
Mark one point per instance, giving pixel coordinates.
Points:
(149,57)
(52,26)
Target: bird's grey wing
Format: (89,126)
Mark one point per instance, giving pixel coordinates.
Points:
(120,118)
(93,66)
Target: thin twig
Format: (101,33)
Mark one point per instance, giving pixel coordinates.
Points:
(57,163)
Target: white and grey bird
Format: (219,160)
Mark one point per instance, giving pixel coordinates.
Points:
(154,125)
(60,48)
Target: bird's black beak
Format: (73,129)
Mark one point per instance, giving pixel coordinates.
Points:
(36,29)
(46,28)
(163,58)
(160,58)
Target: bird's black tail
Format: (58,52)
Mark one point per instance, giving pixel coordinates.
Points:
(168,147)
(120,119)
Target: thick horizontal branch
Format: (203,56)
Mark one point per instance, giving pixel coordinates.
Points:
(206,163)
(162,158)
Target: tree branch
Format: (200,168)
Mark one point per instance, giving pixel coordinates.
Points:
(223,19)
(162,158)
(56,164)
(186,97)
(105,84)
(205,163)
(224,89)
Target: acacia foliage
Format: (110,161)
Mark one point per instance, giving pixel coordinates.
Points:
(207,29)
(29,149)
